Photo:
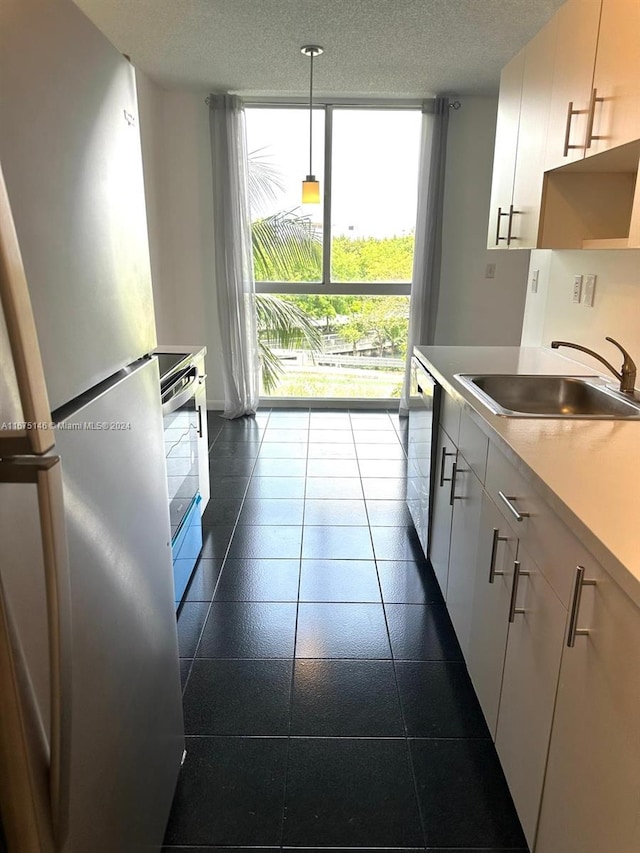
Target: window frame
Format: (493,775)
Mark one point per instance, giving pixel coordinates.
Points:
(328,287)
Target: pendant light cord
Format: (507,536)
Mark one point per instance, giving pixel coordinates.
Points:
(311,114)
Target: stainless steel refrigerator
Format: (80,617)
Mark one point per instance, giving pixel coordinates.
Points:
(91,733)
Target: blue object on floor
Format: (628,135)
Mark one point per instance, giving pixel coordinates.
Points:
(185,548)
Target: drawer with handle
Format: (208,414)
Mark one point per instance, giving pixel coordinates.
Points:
(535,523)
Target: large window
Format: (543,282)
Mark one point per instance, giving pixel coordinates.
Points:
(373,194)
(287,235)
(337,274)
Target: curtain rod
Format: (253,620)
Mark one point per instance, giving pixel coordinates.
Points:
(363,103)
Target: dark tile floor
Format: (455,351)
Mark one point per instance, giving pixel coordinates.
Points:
(326,701)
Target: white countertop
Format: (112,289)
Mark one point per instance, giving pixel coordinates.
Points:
(587,470)
(185,348)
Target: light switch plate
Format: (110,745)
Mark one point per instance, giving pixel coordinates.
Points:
(490,271)
(534,281)
(589,290)
(577,288)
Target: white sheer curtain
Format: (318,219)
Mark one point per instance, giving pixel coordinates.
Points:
(425,285)
(233,256)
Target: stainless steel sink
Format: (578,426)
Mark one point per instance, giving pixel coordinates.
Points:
(522,396)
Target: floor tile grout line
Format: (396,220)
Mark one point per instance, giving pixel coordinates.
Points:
(292,682)
(353,436)
(347,659)
(224,559)
(402,714)
(371,537)
(209,609)
(336,737)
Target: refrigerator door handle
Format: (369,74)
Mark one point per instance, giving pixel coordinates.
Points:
(46,474)
(35,435)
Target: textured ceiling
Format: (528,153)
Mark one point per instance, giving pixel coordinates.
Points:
(372,47)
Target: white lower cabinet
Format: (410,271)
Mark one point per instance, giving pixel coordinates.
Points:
(591,795)
(442,508)
(465,525)
(564,710)
(517,629)
(529,683)
(496,554)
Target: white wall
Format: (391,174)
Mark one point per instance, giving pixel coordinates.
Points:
(550,313)
(178,186)
(474,310)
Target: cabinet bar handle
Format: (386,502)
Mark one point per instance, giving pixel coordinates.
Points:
(574,631)
(589,137)
(567,133)
(200,421)
(519,516)
(517,574)
(512,213)
(454,471)
(443,460)
(498,237)
(493,574)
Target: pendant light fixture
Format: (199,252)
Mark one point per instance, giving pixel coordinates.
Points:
(311,187)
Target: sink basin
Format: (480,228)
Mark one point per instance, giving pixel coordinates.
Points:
(521,396)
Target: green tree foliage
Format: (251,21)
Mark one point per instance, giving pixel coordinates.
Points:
(285,246)
(326,308)
(281,242)
(281,324)
(299,253)
(371,259)
(382,320)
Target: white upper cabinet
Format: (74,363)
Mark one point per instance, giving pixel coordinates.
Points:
(571,155)
(614,107)
(595,101)
(577,23)
(521,134)
(532,138)
(504,161)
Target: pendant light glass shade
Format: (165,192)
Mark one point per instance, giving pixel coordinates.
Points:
(311,187)
(311,190)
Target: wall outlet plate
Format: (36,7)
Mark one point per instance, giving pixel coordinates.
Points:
(589,290)
(577,288)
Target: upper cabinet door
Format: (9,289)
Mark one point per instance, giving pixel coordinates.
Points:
(522,229)
(577,39)
(614,109)
(504,163)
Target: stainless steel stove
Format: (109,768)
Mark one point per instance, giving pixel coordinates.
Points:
(184,419)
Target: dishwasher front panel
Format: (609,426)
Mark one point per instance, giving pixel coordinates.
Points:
(424,404)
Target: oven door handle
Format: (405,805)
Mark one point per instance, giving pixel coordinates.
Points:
(174,401)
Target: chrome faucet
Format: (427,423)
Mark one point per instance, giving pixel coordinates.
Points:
(627,375)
